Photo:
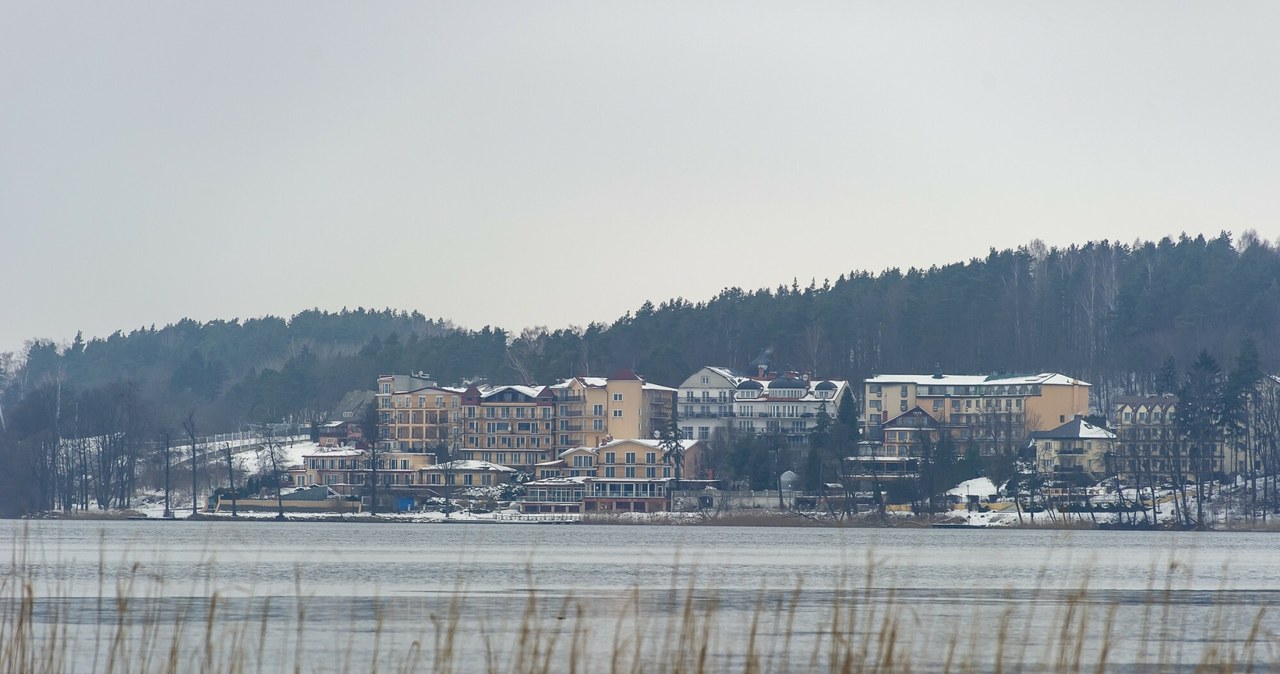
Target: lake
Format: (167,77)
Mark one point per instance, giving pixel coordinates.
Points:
(344,597)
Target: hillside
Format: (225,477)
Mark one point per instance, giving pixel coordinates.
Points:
(1107,312)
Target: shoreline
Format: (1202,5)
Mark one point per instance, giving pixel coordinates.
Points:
(780,520)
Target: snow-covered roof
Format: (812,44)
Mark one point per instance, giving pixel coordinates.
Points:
(1076,428)
(323,453)
(467,464)
(974,379)
(978,486)
(558,481)
(531,391)
(576,449)
(589,382)
(657,387)
(655,444)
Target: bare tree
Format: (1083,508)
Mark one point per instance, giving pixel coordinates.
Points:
(272,446)
(231,477)
(189,425)
(166,452)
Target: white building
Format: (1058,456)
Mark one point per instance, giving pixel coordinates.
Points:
(705,404)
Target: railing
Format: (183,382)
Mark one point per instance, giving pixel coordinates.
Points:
(539,517)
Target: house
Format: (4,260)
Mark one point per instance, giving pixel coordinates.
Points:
(1075,451)
(554,495)
(1000,409)
(465,473)
(340,432)
(633,475)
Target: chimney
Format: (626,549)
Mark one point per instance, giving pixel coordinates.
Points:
(760,371)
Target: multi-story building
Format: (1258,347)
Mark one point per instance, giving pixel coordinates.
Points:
(1001,409)
(1074,451)
(914,432)
(788,405)
(415,414)
(592,410)
(706,400)
(508,425)
(630,475)
(1150,449)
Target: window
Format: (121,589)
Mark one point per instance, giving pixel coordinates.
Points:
(631,471)
(903,393)
(608,471)
(597,410)
(873,404)
(597,424)
(651,457)
(651,472)
(704,433)
(617,414)
(902,406)
(705,380)
(617,397)
(686,432)
(610,457)
(631,458)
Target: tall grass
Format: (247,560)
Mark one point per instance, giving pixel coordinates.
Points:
(139,622)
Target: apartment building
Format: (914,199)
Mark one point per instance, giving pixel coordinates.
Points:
(705,401)
(1001,409)
(415,414)
(592,410)
(1150,449)
(509,425)
(788,405)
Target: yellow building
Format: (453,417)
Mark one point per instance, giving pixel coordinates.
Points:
(1001,410)
(1150,449)
(593,410)
(509,425)
(1076,450)
(415,414)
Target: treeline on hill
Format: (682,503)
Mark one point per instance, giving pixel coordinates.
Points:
(1109,313)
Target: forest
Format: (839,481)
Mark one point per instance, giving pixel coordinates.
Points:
(1110,313)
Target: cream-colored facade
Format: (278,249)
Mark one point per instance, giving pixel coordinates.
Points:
(509,425)
(1001,410)
(1074,450)
(415,414)
(1149,448)
(592,410)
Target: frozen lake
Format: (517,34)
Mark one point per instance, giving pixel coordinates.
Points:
(336,597)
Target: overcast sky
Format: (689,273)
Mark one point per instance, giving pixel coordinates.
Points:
(523,164)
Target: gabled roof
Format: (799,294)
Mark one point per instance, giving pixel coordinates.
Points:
(586,382)
(1074,429)
(974,379)
(654,444)
(467,464)
(914,412)
(1146,400)
(589,450)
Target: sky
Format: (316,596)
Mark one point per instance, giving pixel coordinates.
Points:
(558,163)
